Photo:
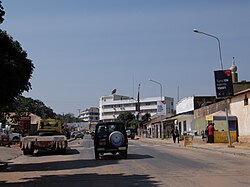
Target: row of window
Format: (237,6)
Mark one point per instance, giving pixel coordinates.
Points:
(117,113)
(129,105)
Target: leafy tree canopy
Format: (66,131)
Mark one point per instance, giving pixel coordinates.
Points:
(127,118)
(23,105)
(2,12)
(15,69)
(67,118)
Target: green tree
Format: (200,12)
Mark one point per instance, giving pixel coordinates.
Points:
(2,12)
(22,105)
(127,118)
(15,69)
(67,118)
(146,118)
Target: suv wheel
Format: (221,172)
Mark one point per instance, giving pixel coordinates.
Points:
(116,138)
(124,154)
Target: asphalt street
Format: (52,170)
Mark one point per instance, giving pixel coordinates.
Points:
(149,163)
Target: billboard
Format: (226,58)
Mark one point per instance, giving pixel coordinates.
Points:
(223,83)
(161,108)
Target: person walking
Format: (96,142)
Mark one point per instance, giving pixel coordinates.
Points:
(211,133)
(175,134)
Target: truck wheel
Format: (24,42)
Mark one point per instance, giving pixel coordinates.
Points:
(97,156)
(31,151)
(25,152)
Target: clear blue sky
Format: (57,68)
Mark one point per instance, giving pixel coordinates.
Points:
(83,49)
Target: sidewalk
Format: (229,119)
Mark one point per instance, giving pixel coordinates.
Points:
(238,149)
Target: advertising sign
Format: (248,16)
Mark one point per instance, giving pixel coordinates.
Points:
(223,83)
(161,108)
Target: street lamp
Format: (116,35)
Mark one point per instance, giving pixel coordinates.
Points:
(162,129)
(200,32)
(221,64)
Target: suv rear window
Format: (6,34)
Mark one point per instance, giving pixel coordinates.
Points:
(107,128)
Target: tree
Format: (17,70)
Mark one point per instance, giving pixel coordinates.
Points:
(127,118)
(67,118)
(2,12)
(15,70)
(146,118)
(23,105)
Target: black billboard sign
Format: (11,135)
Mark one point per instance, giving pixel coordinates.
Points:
(223,83)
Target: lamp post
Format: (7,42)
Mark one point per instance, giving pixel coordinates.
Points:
(221,64)
(200,32)
(162,128)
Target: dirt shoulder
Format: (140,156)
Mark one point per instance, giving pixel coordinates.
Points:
(9,153)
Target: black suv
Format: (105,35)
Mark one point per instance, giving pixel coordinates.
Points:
(110,137)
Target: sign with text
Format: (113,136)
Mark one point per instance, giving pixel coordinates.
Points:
(161,108)
(223,83)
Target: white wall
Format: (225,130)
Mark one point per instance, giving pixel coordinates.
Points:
(242,112)
(185,105)
(189,121)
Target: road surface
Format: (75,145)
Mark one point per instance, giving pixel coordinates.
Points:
(148,164)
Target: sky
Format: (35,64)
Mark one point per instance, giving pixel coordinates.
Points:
(83,49)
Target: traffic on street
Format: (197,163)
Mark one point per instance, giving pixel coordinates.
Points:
(149,163)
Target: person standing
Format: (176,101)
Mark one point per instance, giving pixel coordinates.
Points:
(173,134)
(211,133)
(177,134)
(206,133)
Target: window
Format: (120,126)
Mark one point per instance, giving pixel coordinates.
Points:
(245,100)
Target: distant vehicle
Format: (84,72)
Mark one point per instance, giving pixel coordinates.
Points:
(110,137)
(131,133)
(79,135)
(50,138)
(8,137)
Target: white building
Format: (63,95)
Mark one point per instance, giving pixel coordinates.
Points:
(185,111)
(240,107)
(90,115)
(112,106)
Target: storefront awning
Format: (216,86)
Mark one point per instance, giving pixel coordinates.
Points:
(220,115)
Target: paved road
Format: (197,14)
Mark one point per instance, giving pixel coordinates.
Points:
(148,164)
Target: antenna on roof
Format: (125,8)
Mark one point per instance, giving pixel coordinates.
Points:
(113,91)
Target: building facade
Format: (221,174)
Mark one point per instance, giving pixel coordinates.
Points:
(112,106)
(90,115)
(185,112)
(240,107)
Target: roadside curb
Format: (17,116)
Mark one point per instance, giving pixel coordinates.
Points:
(222,148)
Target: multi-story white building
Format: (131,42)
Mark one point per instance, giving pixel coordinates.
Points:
(112,106)
(90,115)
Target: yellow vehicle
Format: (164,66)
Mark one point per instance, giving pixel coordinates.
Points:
(49,127)
(49,137)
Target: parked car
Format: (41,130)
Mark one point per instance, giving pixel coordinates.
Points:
(110,137)
(131,133)
(13,136)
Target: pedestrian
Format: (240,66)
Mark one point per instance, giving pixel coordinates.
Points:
(206,133)
(211,133)
(203,135)
(173,134)
(177,134)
